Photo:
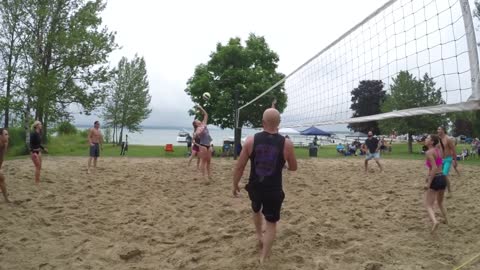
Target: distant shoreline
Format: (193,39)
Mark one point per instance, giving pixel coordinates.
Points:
(210,127)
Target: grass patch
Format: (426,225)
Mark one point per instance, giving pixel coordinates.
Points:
(77,145)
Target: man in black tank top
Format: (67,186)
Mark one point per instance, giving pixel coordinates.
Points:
(268,152)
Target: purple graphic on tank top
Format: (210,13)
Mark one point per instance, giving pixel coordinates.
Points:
(265,159)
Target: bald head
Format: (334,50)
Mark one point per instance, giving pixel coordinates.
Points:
(271,118)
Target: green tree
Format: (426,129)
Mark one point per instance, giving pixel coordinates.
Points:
(464,123)
(366,100)
(237,69)
(11,15)
(67,56)
(409,92)
(127,105)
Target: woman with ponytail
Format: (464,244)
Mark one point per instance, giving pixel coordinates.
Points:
(436,181)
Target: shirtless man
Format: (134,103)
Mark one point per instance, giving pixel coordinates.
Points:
(449,154)
(95,140)
(3,151)
(268,151)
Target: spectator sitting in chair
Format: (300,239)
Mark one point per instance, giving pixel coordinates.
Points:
(340,149)
(463,155)
(363,149)
(352,149)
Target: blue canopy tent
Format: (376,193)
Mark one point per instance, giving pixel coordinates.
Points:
(312,131)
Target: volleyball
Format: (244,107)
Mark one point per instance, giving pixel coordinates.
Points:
(206,96)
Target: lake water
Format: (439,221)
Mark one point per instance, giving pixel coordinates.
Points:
(162,136)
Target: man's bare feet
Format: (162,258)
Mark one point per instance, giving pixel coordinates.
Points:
(263,257)
(434,227)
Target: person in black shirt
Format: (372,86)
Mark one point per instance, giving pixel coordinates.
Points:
(36,148)
(372,149)
(268,151)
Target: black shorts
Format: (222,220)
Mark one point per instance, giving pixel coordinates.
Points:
(270,202)
(95,150)
(206,146)
(439,182)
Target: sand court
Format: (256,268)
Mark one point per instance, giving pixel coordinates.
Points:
(142,213)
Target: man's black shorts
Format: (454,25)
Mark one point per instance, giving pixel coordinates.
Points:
(270,202)
(95,150)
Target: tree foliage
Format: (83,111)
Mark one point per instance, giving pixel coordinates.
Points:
(409,92)
(11,13)
(249,69)
(128,103)
(465,123)
(366,100)
(63,50)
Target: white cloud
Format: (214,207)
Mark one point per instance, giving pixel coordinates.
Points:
(175,36)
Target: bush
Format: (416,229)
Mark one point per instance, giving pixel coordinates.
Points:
(16,142)
(17,136)
(66,128)
(84,133)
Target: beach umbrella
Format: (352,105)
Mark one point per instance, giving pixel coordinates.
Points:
(311,131)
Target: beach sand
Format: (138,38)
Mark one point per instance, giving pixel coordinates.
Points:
(159,214)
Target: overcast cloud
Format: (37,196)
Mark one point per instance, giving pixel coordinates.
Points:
(175,36)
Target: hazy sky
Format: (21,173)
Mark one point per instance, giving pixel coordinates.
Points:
(175,36)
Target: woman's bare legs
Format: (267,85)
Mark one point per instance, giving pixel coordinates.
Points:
(430,196)
(37,161)
(440,195)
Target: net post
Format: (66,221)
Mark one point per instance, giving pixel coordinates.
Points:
(472,49)
(236,138)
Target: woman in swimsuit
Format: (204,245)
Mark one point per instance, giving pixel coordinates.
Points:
(204,145)
(436,182)
(36,148)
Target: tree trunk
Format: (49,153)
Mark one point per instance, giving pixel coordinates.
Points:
(121,136)
(26,126)
(9,85)
(10,71)
(410,141)
(114,134)
(45,129)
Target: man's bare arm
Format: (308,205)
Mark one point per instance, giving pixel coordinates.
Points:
(453,151)
(90,134)
(289,153)
(241,163)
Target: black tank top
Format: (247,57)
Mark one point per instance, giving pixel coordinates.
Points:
(35,141)
(267,161)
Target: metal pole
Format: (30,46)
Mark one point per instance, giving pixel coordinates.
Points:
(472,49)
(236,129)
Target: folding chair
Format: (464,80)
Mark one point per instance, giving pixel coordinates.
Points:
(169,147)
